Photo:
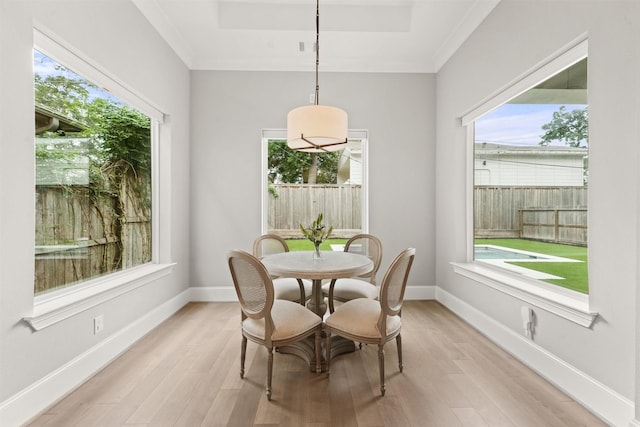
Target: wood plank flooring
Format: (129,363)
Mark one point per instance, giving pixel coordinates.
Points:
(186,373)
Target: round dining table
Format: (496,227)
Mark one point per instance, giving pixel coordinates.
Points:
(330,265)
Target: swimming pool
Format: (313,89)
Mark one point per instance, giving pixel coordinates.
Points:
(504,257)
(499,252)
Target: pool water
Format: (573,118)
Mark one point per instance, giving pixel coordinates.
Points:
(493,252)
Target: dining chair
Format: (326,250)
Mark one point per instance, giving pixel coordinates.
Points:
(356,287)
(374,321)
(266,320)
(286,288)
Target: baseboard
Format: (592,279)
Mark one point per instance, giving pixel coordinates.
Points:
(36,398)
(228,293)
(602,401)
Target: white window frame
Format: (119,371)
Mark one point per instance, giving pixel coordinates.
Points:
(566,303)
(55,306)
(269,134)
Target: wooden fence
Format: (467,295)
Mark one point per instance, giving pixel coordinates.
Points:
(80,236)
(556,214)
(293,204)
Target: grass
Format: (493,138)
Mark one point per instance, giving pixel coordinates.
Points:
(575,274)
(306,245)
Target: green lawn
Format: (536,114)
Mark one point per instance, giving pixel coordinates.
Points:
(575,274)
(306,245)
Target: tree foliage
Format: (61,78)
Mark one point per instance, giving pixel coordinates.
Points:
(65,93)
(119,135)
(570,127)
(291,166)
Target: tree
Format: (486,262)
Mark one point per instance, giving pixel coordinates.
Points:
(297,167)
(570,127)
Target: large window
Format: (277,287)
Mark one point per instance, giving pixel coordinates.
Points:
(93,179)
(531,179)
(528,185)
(298,186)
(99,228)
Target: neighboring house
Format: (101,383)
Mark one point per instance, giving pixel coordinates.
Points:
(506,165)
(350,164)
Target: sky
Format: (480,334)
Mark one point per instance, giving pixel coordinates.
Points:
(44,66)
(516,124)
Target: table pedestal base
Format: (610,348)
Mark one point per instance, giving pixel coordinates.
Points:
(305,349)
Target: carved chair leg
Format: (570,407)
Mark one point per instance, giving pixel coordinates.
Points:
(399,344)
(328,352)
(381,363)
(318,349)
(269,372)
(243,355)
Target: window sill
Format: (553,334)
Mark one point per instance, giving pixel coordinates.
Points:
(571,305)
(57,306)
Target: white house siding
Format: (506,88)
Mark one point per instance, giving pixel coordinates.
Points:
(512,166)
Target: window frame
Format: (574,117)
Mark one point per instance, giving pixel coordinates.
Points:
(52,307)
(268,134)
(571,305)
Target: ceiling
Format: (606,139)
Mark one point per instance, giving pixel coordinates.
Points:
(415,36)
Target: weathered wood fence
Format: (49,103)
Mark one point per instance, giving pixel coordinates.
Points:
(555,214)
(80,236)
(293,204)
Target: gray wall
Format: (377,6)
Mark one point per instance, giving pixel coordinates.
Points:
(122,43)
(512,40)
(229,110)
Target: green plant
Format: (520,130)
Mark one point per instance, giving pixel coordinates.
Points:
(316,231)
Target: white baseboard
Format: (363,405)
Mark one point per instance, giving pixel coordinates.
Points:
(36,398)
(228,293)
(605,403)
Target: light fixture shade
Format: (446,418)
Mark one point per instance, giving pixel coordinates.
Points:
(317,128)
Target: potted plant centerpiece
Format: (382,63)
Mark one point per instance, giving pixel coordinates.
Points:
(316,234)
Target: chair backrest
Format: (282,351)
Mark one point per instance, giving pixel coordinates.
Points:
(394,283)
(253,284)
(268,244)
(369,245)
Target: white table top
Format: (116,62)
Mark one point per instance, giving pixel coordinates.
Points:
(332,265)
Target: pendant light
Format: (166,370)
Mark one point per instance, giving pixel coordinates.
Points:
(317,128)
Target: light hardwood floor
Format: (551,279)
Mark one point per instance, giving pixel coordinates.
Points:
(186,373)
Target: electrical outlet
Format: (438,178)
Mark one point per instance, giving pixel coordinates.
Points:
(98,324)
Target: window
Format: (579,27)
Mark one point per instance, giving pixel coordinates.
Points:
(529,185)
(530,182)
(96,170)
(298,186)
(93,180)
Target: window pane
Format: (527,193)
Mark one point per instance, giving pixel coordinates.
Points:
(302,185)
(93,180)
(531,180)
